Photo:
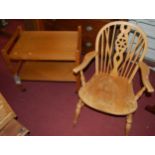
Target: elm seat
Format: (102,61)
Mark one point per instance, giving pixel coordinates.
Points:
(114,95)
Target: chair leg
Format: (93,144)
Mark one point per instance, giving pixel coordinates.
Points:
(79,105)
(128,124)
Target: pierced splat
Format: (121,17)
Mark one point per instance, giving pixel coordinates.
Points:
(121,45)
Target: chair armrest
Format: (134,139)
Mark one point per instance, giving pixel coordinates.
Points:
(88,57)
(145,71)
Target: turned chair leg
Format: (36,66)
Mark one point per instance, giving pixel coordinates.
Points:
(79,105)
(128,124)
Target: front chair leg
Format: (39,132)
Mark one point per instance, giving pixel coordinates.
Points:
(128,124)
(79,105)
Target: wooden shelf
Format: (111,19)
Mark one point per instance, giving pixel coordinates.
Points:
(47,71)
(45,45)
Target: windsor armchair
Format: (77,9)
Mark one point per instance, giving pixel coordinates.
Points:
(119,51)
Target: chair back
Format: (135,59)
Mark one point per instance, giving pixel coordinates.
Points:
(120,46)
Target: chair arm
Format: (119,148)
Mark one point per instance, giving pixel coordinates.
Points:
(88,57)
(145,71)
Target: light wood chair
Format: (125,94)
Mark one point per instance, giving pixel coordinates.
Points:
(119,51)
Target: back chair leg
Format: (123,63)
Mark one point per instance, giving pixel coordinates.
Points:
(128,124)
(79,105)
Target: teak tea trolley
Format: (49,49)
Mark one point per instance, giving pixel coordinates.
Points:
(43,55)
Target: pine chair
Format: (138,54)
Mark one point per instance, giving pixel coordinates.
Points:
(119,51)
